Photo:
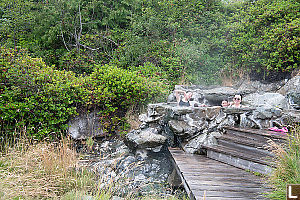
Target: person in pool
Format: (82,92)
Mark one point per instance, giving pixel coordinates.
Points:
(183,98)
(237,100)
(225,103)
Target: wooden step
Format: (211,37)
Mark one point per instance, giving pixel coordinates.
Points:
(243,140)
(258,158)
(241,159)
(253,146)
(259,132)
(263,138)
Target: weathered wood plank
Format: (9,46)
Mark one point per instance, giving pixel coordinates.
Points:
(217,180)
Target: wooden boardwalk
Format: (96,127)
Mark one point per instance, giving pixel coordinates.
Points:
(207,179)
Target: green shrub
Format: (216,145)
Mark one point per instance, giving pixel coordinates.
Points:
(115,88)
(42,100)
(264,36)
(35,95)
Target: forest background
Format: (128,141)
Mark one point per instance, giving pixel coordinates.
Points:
(59,57)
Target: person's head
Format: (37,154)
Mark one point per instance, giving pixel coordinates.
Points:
(237,99)
(225,103)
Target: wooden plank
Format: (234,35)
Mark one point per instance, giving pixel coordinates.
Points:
(218,180)
(227,194)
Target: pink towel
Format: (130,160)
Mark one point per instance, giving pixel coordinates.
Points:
(283,129)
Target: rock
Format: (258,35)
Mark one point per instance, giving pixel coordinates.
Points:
(273,99)
(178,127)
(294,99)
(290,117)
(159,109)
(249,122)
(180,110)
(248,87)
(228,121)
(143,117)
(214,97)
(174,179)
(85,125)
(171,98)
(147,138)
(195,145)
(267,112)
(169,135)
(292,86)
(212,112)
(182,128)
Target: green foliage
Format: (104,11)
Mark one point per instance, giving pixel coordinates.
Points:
(42,99)
(36,96)
(114,88)
(264,35)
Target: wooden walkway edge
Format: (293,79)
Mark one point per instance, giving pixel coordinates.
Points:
(207,179)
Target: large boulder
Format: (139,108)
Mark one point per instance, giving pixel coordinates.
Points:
(292,86)
(247,87)
(85,125)
(267,99)
(146,138)
(182,128)
(195,146)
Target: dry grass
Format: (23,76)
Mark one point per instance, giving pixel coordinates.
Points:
(42,170)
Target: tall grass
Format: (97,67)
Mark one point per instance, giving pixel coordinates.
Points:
(42,170)
(287,165)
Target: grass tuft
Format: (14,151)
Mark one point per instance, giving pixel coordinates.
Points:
(287,165)
(41,170)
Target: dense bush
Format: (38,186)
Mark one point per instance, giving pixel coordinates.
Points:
(42,99)
(265,36)
(35,95)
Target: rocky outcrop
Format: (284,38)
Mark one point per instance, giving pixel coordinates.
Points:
(85,125)
(131,173)
(192,127)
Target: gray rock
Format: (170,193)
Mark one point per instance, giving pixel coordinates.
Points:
(292,86)
(147,138)
(294,99)
(159,109)
(228,121)
(267,112)
(212,112)
(174,179)
(272,99)
(248,87)
(171,98)
(181,110)
(85,125)
(182,128)
(195,145)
